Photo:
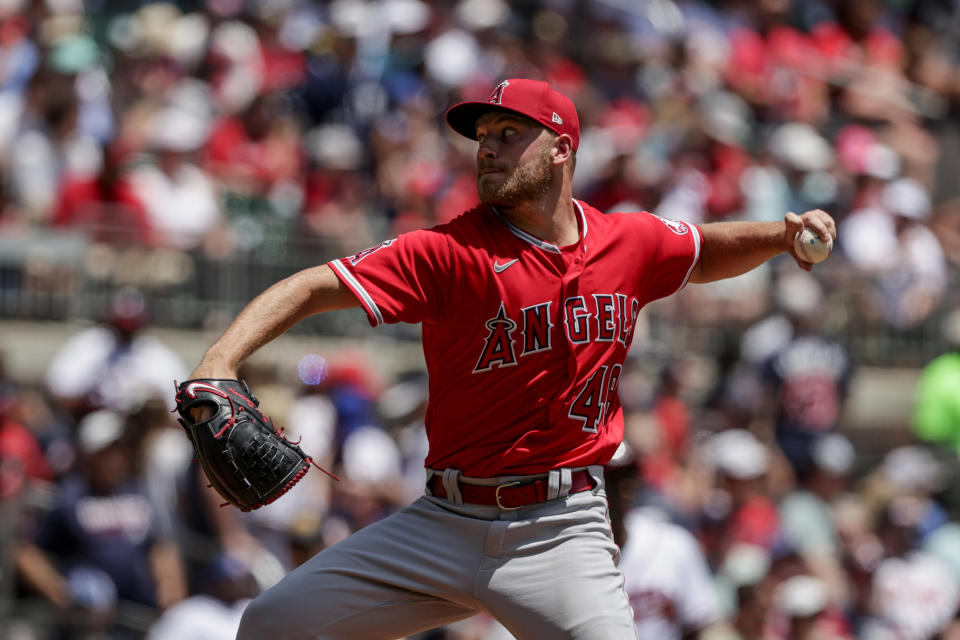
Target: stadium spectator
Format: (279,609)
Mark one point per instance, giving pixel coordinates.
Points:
(803,603)
(181,201)
(101,542)
(104,206)
(114,365)
(739,509)
(666,575)
(222,589)
(806,376)
(913,591)
(890,240)
(258,159)
(746,585)
(22,459)
(807,518)
(47,145)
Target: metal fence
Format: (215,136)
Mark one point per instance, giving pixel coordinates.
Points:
(69,276)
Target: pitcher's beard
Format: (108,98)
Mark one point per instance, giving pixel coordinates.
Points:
(527,183)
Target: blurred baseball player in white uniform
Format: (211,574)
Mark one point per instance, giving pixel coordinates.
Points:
(666,575)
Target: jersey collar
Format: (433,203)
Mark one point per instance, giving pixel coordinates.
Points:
(537,242)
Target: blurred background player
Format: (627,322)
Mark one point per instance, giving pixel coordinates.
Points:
(666,575)
(102,542)
(115,365)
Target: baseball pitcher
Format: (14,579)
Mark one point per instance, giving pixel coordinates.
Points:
(528,304)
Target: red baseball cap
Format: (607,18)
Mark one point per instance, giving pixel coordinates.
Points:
(531,98)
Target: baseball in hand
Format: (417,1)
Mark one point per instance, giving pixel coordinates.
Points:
(810,247)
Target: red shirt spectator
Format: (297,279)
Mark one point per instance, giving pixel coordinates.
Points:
(106,205)
(21,458)
(111,214)
(256,150)
(878,47)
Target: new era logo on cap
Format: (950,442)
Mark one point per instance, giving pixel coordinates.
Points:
(531,98)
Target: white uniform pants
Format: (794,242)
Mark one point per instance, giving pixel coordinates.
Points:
(546,572)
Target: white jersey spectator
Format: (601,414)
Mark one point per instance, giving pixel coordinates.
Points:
(180,198)
(199,617)
(666,578)
(114,365)
(916,593)
(94,364)
(893,242)
(226,586)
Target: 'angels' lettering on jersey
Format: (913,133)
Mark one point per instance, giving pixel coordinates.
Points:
(537,327)
(606,317)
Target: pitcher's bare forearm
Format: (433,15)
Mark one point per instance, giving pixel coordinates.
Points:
(270,314)
(734,248)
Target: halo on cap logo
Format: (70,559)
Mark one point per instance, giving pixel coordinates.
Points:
(497,96)
(679,228)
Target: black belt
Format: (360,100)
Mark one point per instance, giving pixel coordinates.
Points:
(510,495)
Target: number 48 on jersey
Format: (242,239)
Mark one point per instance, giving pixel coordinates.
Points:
(595,397)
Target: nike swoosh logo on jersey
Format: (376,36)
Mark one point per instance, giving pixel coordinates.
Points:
(500,268)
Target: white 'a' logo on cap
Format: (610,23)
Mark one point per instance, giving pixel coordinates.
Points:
(556,118)
(497,94)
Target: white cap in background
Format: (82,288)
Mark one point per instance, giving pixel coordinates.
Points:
(833,453)
(802,596)
(98,430)
(912,468)
(738,454)
(745,564)
(908,198)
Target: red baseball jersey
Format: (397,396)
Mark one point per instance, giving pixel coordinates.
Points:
(524,341)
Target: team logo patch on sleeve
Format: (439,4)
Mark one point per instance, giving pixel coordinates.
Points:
(357,257)
(679,228)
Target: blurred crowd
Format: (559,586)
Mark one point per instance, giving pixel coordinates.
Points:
(745,507)
(201,131)
(171,136)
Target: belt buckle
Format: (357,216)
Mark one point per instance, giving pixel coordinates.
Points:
(506,485)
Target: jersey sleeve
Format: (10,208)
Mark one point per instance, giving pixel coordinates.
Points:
(672,249)
(399,280)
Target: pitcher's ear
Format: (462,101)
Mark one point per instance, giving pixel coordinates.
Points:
(562,148)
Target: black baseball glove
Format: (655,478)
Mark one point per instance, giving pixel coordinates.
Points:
(246,458)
